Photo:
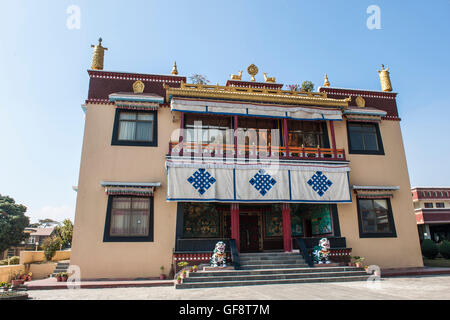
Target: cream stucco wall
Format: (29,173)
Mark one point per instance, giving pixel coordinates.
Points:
(382,170)
(102,162)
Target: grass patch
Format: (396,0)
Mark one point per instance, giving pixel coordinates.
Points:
(11,295)
(438,262)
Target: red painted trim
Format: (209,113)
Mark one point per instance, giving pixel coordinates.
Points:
(286,136)
(181,138)
(287,237)
(135,76)
(235,224)
(235,124)
(333,139)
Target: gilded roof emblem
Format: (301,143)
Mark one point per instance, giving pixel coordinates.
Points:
(252,71)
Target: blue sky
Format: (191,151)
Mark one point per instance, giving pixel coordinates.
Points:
(44,80)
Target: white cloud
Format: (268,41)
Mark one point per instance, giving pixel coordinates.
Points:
(58,213)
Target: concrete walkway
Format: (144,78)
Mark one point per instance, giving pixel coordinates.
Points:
(51,284)
(414,287)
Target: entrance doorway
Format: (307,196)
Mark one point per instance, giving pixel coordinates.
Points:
(249,232)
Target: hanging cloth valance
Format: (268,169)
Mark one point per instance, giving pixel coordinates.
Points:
(254,109)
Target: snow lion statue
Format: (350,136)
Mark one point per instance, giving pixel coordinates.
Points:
(321,251)
(219,257)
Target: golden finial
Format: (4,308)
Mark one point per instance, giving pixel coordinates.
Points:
(360,102)
(252,71)
(174,69)
(385,79)
(98,56)
(138,86)
(268,79)
(326,83)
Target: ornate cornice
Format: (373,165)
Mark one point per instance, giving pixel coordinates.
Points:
(255,94)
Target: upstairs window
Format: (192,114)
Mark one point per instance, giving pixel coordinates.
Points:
(428,205)
(307,133)
(135,128)
(208,129)
(440,205)
(364,138)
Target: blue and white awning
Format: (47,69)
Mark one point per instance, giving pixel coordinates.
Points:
(255,109)
(315,183)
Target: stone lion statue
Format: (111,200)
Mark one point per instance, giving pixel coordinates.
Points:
(219,257)
(321,252)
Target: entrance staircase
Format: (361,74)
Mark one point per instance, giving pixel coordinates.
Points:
(61,266)
(271,268)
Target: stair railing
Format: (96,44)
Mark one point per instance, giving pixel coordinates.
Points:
(304,252)
(235,254)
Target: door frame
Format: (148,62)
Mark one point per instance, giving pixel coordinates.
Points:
(257,213)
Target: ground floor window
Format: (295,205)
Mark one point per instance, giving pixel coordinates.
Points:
(203,220)
(129,218)
(375,218)
(311,220)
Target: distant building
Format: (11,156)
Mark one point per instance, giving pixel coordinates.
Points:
(432,209)
(39,235)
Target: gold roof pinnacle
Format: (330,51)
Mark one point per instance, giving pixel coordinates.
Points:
(385,79)
(174,69)
(98,56)
(326,83)
(252,71)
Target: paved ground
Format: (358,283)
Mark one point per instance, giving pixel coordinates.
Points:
(414,287)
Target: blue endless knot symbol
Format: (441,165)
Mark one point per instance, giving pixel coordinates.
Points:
(262,182)
(201,180)
(320,183)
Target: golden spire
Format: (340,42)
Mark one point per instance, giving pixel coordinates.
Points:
(326,83)
(385,79)
(174,69)
(98,57)
(252,71)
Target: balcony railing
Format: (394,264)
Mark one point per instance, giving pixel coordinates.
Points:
(193,149)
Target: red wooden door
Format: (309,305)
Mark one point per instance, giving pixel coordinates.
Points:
(249,233)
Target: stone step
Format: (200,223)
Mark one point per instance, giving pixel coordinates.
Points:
(268,254)
(273,266)
(260,262)
(272,271)
(264,258)
(284,276)
(189,285)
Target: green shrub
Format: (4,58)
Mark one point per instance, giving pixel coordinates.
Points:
(50,246)
(12,260)
(429,249)
(444,249)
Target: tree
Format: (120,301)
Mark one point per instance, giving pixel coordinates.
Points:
(50,246)
(12,223)
(44,223)
(198,79)
(65,232)
(307,86)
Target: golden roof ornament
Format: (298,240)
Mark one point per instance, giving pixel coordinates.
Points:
(174,69)
(98,56)
(268,79)
(326,83)
(252,71)
(138,86)
(360,102)
(237,77)
(385,79)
